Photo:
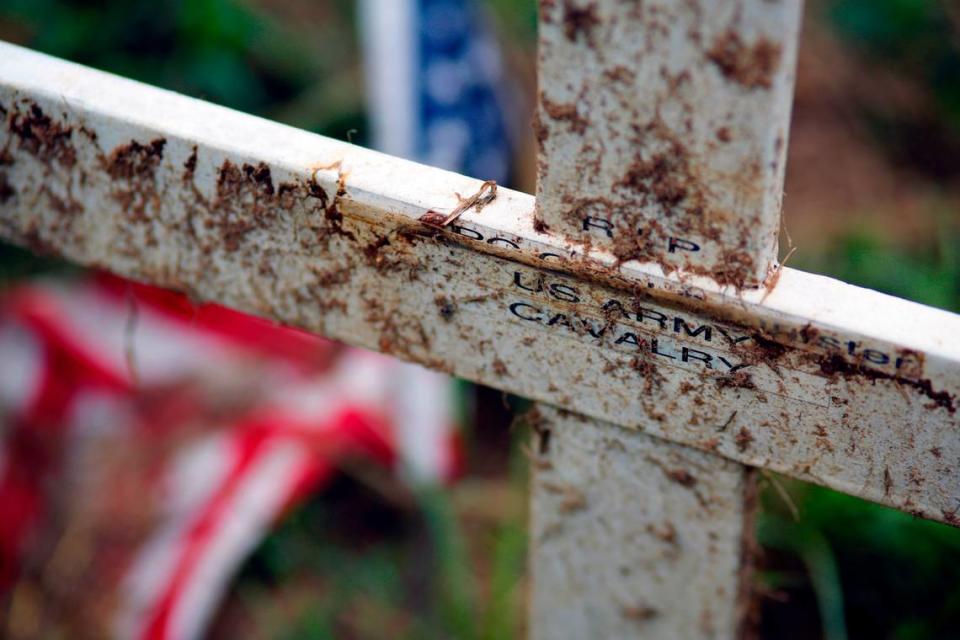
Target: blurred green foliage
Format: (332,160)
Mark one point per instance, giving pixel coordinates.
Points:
(205,48)
(916,36)
(874,571)
(920,41)
(226,51)
(928,273)
(367,568)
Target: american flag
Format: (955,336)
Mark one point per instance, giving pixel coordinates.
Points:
(193,428)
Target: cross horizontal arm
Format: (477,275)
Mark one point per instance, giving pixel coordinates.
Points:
(843,386)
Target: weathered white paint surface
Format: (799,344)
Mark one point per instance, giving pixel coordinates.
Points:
(843,386)
(634,537)
(637,159)
(663,128)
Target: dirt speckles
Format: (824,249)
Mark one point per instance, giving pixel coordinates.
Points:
(540,226)
(620,73)
(546,10)
(190,165)
(372,252)
(743,439)
(571,498)
(737,380)
(245,199)
(665,532)
(6,189)
(734,267)
(639,612)
(433,218)
(42,137)
(579,20)
(835,367)
(562,112)
(314,190)
(260,174)
(770,350)
(132,168)
(751,66)
(446,307)
(682,477)
(664,176)
(135,160)
(237,181)
(652,379)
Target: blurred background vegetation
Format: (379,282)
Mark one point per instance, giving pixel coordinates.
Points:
(872,197)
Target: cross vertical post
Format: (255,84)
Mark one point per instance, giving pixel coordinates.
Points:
(634,536)
(663,130)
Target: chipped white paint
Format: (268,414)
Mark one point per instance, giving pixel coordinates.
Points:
(860,395)
(663,127)
(634,537)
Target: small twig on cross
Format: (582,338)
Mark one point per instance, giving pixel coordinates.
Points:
(478,200)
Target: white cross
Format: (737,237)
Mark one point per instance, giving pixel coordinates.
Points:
(664,132)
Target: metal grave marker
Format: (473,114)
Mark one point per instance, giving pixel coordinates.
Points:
(677,366)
